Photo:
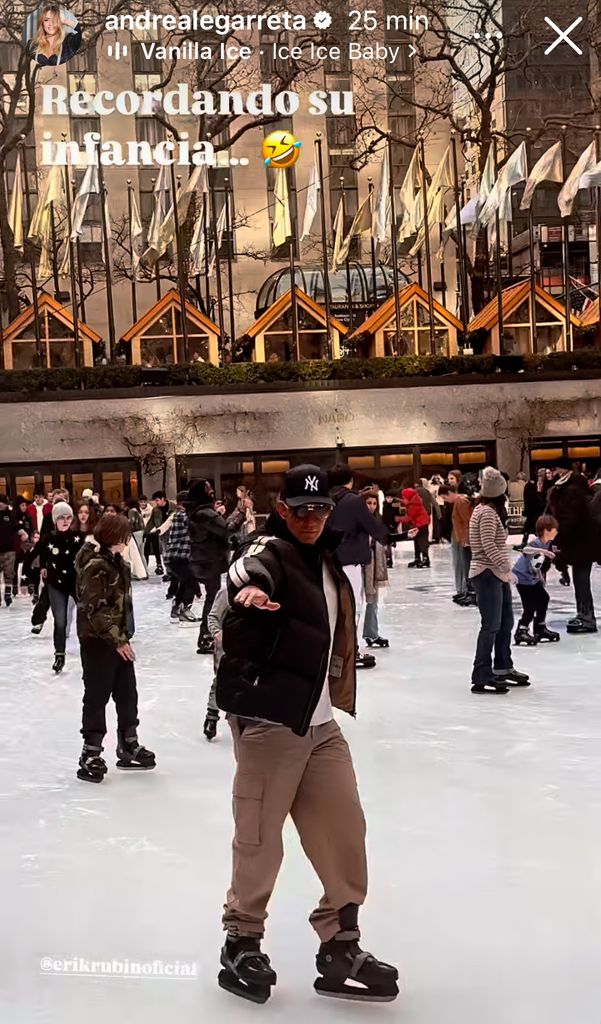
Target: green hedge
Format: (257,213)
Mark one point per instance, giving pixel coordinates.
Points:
(203,374)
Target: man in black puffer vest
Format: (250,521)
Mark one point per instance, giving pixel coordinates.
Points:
(289,658)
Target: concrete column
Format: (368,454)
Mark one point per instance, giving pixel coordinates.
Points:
(154,482)
(508,456)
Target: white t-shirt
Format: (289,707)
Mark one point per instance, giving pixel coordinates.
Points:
(323,711)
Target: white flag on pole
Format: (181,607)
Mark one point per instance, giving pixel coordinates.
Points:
(282,226)
(512,172)
(136,233)
(89,186)
(585,163)
(15,213)
(408,224)
(161,197)
(338,236)
(361,223)
(442,180)
(548,168)
(312,201)
(196,262)
(382,211)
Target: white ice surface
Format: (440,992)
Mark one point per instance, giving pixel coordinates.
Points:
(484,831)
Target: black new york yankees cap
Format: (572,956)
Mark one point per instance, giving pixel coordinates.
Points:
(306,485)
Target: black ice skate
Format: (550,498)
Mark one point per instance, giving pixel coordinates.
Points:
(378,641)
(524,636)
(8,600)
(416,564)
(246,970)
(580,625)
(206,644)
(426,562)
(159,569)
(175,610)
(59,663)
(365,661)
(37,629)
(210,725)
(513,678)
(544,635)
(347,971)
(187,615)
(133,757)
(92,767)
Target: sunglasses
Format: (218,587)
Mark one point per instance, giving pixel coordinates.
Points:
(312,511)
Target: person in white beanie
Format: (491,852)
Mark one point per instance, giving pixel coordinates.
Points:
(57,561)
(490,572)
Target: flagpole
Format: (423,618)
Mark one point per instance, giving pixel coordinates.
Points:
(374,268)
(566,249)
(80,279)
(394,248)
(533,328)
(598,226)
(71,248)
(462,270)
(157,272)
(347,266)
(57,286)
(230,275)
(510,240)
(498,258)
(292,256)
(427,241)
(217,268)
(205,231)
(179,264)
(107,261)
(324,244)
(134,300)
(443,276)
(31,251)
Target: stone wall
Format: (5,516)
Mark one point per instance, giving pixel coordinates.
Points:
(161,427)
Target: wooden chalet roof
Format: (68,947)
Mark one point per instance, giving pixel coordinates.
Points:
(283,303)
(385,312)
(46,303)
(512,297)
(167,302)
(590,315)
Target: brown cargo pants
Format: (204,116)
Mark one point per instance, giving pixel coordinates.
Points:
(311,778)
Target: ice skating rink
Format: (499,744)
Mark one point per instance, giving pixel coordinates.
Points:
(484,833)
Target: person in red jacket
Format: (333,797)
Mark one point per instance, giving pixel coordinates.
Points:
(417,517)
(38,510)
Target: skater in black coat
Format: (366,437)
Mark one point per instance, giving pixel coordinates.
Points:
(209,550)
(58,551)
(579,541)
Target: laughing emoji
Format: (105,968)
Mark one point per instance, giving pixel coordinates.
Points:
(281,149)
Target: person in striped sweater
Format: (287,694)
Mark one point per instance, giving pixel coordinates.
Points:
(490,573)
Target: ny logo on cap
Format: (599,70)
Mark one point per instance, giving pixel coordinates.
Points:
(311,483)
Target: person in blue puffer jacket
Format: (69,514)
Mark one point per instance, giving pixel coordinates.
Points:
(529,572)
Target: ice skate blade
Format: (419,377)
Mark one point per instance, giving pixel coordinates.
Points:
(135,767)
(356,994)
(255,993)
(88,778)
